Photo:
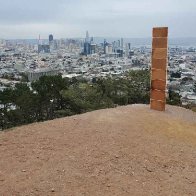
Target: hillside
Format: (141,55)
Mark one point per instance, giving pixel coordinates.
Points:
(128,150)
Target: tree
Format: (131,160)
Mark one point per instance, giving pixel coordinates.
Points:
(139,86)
(85,97)
(24,77)
(6,98)
(26,102)
(176,74)
(48,90)
(6,103)
(52,97)
(174,98)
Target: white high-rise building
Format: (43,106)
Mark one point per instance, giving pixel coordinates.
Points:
(127,50)
(110,49)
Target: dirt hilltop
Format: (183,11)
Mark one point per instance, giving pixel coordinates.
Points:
(129,150)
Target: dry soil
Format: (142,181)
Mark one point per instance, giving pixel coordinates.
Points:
(126,151)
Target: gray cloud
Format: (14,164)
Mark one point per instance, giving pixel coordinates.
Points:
(71,18)
(28,11)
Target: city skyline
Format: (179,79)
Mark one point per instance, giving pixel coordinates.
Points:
(20,19)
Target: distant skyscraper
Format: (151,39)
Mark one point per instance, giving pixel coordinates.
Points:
(39,40)
(129,45)
(87,37)
(118,44)
(110,49)
(122,43)
(127,50)
(105,44)
(51,38)
(87,44)
(120,52)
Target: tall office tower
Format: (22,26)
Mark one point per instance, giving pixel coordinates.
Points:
(122,44)
(129,44)
(51,38)
(110,49)
(87,37)
(118,45)
(120,52)
(105,44)
(87,44)
(106,49)
(39,40)
(114,46)
(127,50)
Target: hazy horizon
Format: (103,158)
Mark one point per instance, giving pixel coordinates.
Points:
(83,37)
(98,37)
(187,42)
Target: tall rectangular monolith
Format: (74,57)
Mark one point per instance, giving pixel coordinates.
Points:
(159,68)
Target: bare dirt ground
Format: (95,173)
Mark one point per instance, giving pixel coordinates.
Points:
(129,150)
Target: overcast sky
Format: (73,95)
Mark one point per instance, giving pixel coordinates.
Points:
(105,18)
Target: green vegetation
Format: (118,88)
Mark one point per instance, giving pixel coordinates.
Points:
(191,107)
(174,98)
(53,97)
(176,74)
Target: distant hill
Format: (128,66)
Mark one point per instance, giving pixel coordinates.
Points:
(128,150)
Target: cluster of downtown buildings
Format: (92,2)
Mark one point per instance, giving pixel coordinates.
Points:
(89,59)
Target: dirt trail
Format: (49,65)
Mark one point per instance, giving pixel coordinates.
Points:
(124,151)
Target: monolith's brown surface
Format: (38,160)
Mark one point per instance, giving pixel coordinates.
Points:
(122,151)
(159,68)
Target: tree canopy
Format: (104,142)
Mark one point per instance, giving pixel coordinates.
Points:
(53,97)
